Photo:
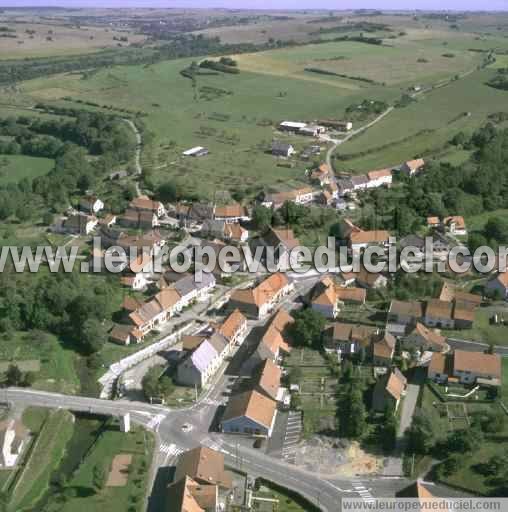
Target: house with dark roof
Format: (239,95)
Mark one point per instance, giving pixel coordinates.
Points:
(348,339)
(498,285)
(201,364)
(282,149)
(423,339)
(281,241)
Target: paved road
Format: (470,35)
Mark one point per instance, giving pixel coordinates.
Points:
(137,156)
(475,346)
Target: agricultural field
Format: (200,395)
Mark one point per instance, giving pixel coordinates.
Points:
(41,39)
(14,168)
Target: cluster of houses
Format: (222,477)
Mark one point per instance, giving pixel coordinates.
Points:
(200,483)
(177,291)
(205,352)
(252,411)
(455,225)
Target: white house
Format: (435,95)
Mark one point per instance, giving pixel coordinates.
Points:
(13,437)
(380,178)
(91,204)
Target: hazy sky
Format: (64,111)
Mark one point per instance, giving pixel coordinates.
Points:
(278,4)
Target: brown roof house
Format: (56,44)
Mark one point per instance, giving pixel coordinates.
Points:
(348,339)
(411,167)
(138,219)
(267,379)
(421,338)
(363,239)
(383,348)
(323,298)
(13,438)
(231,213)
(466,368)
(187,495)
(388,391)
(249,413)
(205,466)
(144,203)
(258,301)
(427,500)
(275,340)
(281,241)
(234,328)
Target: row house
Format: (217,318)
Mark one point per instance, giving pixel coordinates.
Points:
(466,368)
(234,328)
(138,219)
(301,195)
(274,343)
(201,364)
(231,213)
(258,301)
(388,391)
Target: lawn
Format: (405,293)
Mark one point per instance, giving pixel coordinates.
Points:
(426,125)
(57,372)
(483,330)
(84,494)
(317,390)
(14,168)
(46,452)
(285,501)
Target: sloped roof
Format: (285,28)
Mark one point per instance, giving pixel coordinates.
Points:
(429,335)
(439,309)
(396,383)
(351,294)
(230,210)
(232,323)
(380,173)
(253,405)
(370,237)
(268,378)
(263,292)
(283,236)
(384,346)
(203,465)
(203,356)
(477,362)
(181,496)
(407,308)
(145,203)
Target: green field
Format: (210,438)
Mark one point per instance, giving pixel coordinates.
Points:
(14,168)
(427,125)
(52,431)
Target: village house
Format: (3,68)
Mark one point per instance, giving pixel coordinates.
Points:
(249,413)
(351,295)
(200,483)
(411,167)
(187,495)
(266,378)
(136,282)
(149,315)
(449,292)
(80,224)
(345,186)
(234,328)
(322,174)
(498,285)
(231,232)
(125,335)
(282,241)
(138,219)
(466,368)
(108,220)
(200,365)
(260,300)
(231,213)
(433,222)
(362,239)
(188,286)
(301,195)
(379,178)
(13,439)
(360,182)
(388,391)
(423,339)
(205,466)
(91,204)
(282,149)
(439,313)
(405,312)
(275,340)
(144,203)
(371,280)
(348,339)
(383,348)
(455,225)
(426,500)
(323,298)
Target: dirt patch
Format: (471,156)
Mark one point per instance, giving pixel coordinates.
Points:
(119,474)
(337,457)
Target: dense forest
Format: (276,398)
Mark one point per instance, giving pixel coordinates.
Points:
(70,142)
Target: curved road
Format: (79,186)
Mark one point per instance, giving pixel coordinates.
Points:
(324,492)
